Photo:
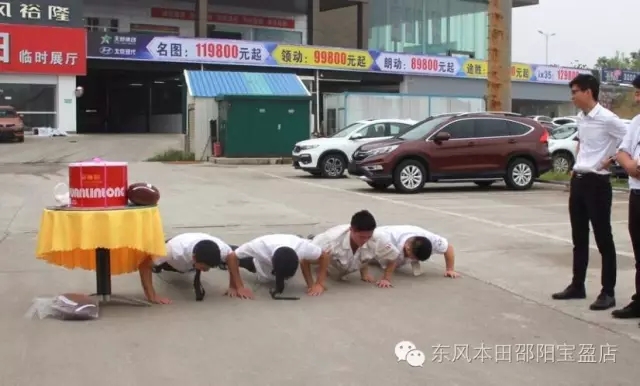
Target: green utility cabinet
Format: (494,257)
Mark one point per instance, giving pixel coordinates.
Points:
(262,126)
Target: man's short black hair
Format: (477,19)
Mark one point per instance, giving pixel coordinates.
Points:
(285,265)
(363,221)
(587,82)
(421,248)
(207,252)
(636,82)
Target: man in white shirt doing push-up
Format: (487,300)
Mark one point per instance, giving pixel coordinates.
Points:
(417,244)
(275,258)
(351,247)
(187,252)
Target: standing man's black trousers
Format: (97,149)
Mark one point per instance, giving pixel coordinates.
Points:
(590,202)
(634,232)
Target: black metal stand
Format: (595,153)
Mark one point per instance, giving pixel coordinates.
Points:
(103,281)
(103,273)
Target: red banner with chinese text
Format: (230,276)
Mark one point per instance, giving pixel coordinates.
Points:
(225,18)
(26,49)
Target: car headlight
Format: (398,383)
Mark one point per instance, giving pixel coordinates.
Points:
(382,150)
(308,147)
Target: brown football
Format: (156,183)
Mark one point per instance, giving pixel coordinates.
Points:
(142,193)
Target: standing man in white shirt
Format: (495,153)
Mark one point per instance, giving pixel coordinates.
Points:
(275,258)
(417,244)
(600,132)
(187,252)
(351,247)
(629,157)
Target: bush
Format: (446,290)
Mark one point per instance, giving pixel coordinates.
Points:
(172,155)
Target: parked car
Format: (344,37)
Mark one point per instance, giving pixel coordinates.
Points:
(11,124)
(563,145)
(329,157)
(564,120)
(479,147)
(541,118)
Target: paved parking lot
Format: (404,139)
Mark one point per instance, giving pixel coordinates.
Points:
(512,249)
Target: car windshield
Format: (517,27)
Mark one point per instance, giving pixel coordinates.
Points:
(564,131)
(8,113)
(347,130)
(424,128)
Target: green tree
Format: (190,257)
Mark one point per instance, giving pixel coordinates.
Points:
(621,61)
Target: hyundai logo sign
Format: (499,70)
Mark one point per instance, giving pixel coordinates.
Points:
(106,50)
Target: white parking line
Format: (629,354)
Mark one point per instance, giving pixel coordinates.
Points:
(427,209)
(541,224)
(483,206)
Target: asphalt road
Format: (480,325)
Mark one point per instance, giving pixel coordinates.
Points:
(496,325)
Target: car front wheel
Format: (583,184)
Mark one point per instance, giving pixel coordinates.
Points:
(409,177)
(562,162)
(520,174)
(333,165)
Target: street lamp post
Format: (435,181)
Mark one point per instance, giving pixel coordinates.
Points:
(546,35)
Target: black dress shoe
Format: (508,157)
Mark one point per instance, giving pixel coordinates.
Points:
(632,310)
(571,292)
(603,302)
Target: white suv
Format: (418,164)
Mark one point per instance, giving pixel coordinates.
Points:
(330,157)
(562,146)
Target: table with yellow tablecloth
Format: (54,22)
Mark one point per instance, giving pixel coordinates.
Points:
(109,241)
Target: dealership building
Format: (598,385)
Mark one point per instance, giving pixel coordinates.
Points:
(128,75)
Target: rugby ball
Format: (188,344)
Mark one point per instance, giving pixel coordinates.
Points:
(143,194)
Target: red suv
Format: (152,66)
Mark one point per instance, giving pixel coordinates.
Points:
(457,147)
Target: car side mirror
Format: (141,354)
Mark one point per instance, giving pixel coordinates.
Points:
(442,136)
(356,136)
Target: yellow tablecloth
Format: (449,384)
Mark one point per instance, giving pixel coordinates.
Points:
(69,238)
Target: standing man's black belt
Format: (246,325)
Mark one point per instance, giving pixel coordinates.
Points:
(590,174)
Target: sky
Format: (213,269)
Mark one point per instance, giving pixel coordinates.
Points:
(585,30)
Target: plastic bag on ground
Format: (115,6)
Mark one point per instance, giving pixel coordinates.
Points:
(65,307)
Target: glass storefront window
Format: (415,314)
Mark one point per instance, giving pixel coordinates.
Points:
(29,97)
(277,35)
(32,120)
(224,31)
(429,26)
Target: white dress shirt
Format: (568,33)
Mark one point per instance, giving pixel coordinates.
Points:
(399,235)
(631,145)
(337,242)
(180,250)
(600,132)
(262,249)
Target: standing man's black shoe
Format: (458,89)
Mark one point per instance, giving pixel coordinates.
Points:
(603,302)
(632,310)
(571,292)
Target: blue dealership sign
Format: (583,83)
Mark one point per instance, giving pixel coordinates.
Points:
(614,75)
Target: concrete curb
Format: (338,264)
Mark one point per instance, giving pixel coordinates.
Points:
(562,183)
(251,161)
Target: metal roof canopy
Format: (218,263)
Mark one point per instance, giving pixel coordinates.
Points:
(211,84)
